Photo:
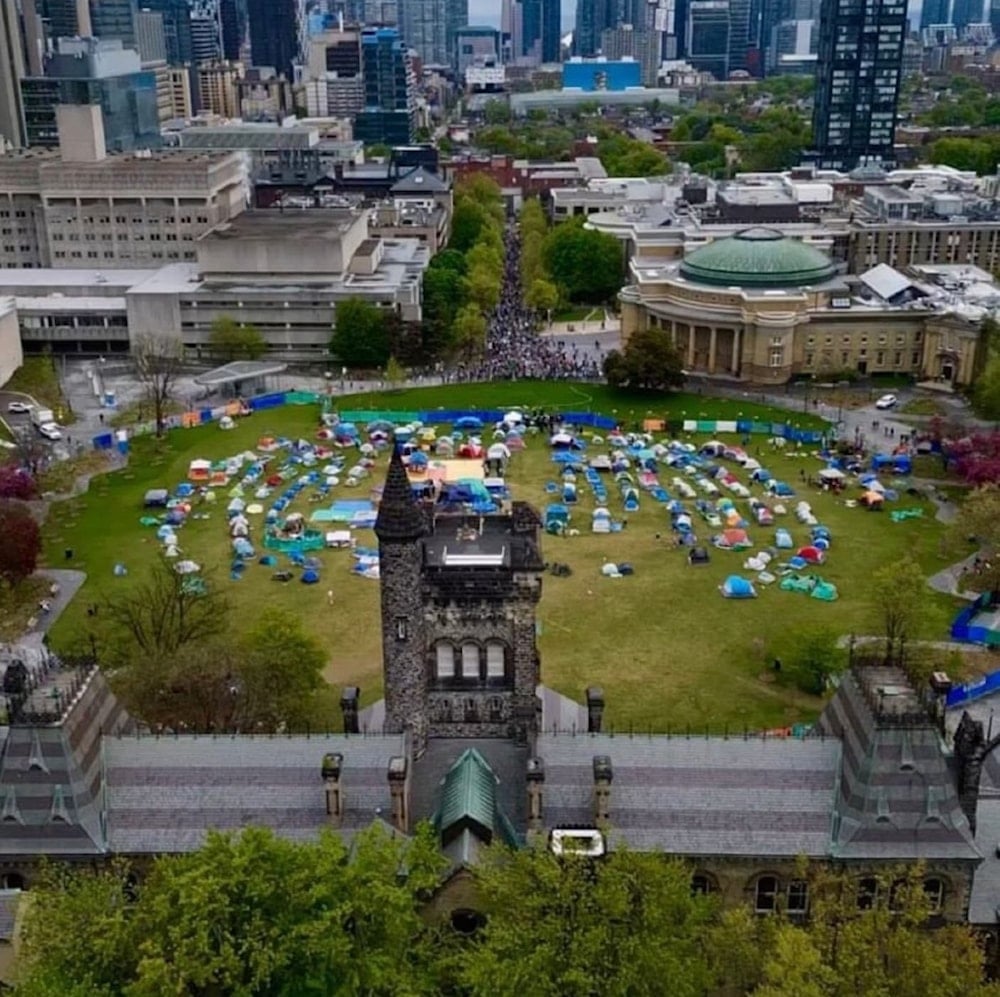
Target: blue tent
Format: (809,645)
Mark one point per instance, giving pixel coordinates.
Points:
(735,587)
(469,422)
(310,577)
(783,540)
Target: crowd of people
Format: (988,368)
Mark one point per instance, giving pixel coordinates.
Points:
(514,349)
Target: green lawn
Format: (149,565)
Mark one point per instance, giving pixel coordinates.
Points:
(577,313)
(666,647)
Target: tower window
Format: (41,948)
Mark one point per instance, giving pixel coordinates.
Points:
(495,661)
(470,661)
(401,629)
(445,665)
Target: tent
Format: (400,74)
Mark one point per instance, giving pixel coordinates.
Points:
(811,555)
(824,591)
(735,587)
(698,555)
(310,576)
(561,441)
(156,498)
(872,499)
(733,539)
(186,567)
(832,474)
(513,418)
(199,470)
(782,539)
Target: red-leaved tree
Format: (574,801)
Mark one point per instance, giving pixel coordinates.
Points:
(20,542)
(16,483)
(976,457)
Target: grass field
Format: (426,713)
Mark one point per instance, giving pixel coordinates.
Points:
(666,647)
(38,377)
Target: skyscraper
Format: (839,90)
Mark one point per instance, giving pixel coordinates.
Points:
(858,73)
(739,34)
(176,28)
(111,19)
(707,36)
(966,12)
(429,27)
(389,113)
(150,36)
(277,33)
(935,12)
(592,18)
(233,24)
(65,18)
(11,71)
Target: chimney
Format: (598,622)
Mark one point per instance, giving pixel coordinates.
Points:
(536,781)
(603,775)
(332,765)
(397,791)
(349,700)
(595,709)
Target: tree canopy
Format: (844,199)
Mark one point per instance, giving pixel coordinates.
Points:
(649,360)
(20,542)
(229,340)
(360,334)
(622,156)
(587,265)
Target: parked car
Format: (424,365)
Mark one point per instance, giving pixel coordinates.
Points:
(18,408)
(50,431)
(886,401)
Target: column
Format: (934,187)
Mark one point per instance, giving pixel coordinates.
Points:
(712,343)
(737,348)
(673,333)
(690,350)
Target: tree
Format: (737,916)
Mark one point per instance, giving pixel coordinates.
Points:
(979,520)
(588,265)
(543,295)
(395,374)
(20,542)
(30,452)
(467,221)
(986,392)
(280,667)
(496,112)
(16,483)
(621,926)
(484,287)
(470,331)
(244,915)
(229,340)
(360,336)
(158,362)
(628,157)
(815,659)
(898,600)
(165,613)
(649,360)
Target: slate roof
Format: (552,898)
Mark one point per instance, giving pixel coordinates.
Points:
(698,795)
(398,517)
(50,776)
(165,793)
(419,181)
(897,797)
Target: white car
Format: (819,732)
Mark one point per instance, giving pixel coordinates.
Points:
(50,431)
(18,408)
(886,401)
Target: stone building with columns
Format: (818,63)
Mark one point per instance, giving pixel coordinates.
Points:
(766,308)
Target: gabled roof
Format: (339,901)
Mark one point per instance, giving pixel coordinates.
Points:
(419,181)
(469,794)
(897,797)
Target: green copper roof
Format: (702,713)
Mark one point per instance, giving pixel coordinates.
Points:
(757,257)
(469,793)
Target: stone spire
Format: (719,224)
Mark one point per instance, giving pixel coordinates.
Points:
(399,518)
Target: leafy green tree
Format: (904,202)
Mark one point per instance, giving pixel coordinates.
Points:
(485,254)
(623,926)
(498,140)
(228,340)
(587,265)
(622,156)
(496,112)
(815,659)
(445,292)
(360,334)
(898,601)
(649,360)
(484,191)
(395,374)
(979,517)
(469,331)
(245,915)
(467,223)
(543,295)
(484,288)
(986,390)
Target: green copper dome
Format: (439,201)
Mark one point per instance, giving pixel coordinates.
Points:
(757,257)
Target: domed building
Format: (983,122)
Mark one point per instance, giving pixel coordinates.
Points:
(765,307)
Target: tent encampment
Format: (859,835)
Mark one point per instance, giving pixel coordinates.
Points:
(735,587)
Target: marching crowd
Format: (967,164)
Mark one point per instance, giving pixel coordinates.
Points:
(513,347)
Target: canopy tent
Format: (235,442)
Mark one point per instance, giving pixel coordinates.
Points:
(832,474)
(156,498)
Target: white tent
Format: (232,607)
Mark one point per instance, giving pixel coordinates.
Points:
(513,418)
(187,567)
(498,451)
(832,474)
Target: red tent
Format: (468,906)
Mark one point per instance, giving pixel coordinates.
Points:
(811,554)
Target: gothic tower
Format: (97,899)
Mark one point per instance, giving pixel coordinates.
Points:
(400,527)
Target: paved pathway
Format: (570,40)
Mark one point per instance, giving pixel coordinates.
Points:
(69,583)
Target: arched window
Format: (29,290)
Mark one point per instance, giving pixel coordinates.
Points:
(445,664)
(898,895)
(470,661)
(798,896)
(702,884)
(766,894)
(12,881)
(495,660)
(867,893)
(467,922)
(934,890)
